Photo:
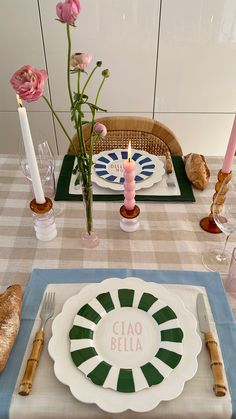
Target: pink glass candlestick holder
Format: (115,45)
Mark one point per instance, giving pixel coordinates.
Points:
(44,220)
(129,221)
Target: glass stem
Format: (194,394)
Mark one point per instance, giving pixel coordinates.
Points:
(223,251)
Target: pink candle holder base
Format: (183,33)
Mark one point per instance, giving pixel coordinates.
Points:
(129,221)
(44,220)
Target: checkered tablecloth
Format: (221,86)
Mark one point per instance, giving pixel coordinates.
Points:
(169,236)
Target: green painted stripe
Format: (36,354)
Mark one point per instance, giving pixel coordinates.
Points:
(169,357)
(99,374)
(146,301)
(81,355)
(126,297)
(164,314)
(172,335)
(89,313)
(125,383)
(78,332)
(106,301)
(152,375)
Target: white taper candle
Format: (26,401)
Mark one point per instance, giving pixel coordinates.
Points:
(30,154)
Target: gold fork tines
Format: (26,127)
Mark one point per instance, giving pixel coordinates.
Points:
(46,312)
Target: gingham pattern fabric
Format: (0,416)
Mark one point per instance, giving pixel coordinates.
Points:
(169,236)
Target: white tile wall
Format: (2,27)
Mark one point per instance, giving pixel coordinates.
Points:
(199,132)
(197,56)
(192,89)
(20,44)
(40,125)
(123,34)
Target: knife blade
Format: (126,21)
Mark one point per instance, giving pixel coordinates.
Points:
(219,387)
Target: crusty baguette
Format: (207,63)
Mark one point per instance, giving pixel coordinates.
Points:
(197,170)
(10,314)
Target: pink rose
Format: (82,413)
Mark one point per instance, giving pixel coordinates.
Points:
(80,60)
(28,82)
(68,11)
(100,129)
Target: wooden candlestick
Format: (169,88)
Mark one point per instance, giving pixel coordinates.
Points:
(207,223)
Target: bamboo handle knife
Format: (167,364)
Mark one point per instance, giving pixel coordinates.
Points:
(219,387)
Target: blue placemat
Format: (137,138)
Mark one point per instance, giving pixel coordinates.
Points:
(40,278)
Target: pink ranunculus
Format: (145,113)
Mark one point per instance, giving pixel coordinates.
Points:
(68,11)
(100,129)
(80,60)
(28,82)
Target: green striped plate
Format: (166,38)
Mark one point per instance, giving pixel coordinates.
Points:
(126,340)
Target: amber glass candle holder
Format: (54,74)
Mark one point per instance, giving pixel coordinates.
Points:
(44,220)
(207,223)
(129,221)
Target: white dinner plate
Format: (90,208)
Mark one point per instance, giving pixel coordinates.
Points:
(126,340)
(117,322)
(108,169)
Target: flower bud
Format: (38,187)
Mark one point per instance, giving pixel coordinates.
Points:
(68,11)
(98,63)
(80,60)
(100,129)
(106,73)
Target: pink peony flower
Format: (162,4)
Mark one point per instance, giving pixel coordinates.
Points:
(100,129)
(68,11)
(80,60)
(28,82)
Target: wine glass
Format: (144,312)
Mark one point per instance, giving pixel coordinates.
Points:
(46,165)
(224,214)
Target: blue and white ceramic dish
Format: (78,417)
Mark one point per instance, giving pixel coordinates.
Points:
(109,166)
(108,169)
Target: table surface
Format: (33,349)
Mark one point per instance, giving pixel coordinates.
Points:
(169,236)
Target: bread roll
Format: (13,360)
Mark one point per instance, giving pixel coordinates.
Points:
(10,314)
(197,170)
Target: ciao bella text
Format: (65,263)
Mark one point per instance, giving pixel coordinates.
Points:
(126,336)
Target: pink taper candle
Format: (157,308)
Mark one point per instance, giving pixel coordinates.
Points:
(229,155)
(129,185)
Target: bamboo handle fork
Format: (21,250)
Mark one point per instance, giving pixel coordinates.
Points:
(46,313)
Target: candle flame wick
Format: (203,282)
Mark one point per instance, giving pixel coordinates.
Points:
(129,151)
(19,101)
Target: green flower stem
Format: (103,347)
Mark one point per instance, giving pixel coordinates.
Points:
(68,63)
(80,121)
(59,121)
(78,84)
(92,122)
(68,80)
(99,90)
(88,79)
(88,203)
